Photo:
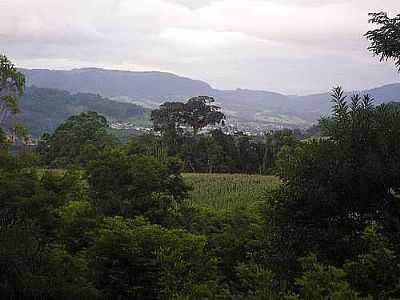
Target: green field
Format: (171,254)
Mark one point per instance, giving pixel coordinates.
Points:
(225,192)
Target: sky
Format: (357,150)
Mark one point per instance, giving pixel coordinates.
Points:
(287,46)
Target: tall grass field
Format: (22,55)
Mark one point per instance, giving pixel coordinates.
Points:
(225,192)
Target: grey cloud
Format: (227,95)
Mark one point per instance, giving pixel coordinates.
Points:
(288,46)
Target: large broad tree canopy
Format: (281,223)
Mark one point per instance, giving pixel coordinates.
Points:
(201,112)
(12,85)
(169,115)
(385,40)
(198,112)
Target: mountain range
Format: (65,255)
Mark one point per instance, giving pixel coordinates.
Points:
(248,108)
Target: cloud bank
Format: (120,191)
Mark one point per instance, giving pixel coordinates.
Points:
(290,46)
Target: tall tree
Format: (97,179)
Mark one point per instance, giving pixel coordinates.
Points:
(168,117)
(197,112)
(12,84)
(200,112)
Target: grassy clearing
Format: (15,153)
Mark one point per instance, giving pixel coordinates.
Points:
(225,192)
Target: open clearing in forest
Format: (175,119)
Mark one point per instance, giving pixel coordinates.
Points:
(225,192)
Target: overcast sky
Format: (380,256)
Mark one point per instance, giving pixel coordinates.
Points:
(289,46)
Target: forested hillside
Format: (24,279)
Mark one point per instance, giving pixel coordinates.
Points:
(43,110)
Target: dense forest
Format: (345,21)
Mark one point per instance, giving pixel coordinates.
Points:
(85,216)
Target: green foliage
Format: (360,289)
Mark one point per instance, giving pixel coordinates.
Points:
(197,112)
(34,262)
(215,153)
(53,246)
(334,187)
(171,117)
(376,271)
(188,269)
(168,120)
(24,159)
(77,141)
(238,246)
(21,132)
(133,259)
(323,282)
(218,152)
(149,145)
(275,143)
(385,40)
(129,185)
(168,117)
(122,259)
(256,283)
(235,238)
(78,218)
(12,84)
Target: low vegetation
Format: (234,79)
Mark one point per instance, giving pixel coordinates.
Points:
(227,192)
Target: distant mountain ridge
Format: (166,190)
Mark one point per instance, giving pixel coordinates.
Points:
(149,89)
(110,83)
(317,105)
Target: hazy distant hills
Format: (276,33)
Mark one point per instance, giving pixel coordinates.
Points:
(313,106)
(149,89)
(110,83)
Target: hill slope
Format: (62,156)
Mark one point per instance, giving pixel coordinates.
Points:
(149,89)
(42,109)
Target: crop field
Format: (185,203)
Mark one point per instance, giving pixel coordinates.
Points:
(225,192)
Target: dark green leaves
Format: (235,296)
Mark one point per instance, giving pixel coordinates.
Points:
(385,40)
(77,141)
(197,112)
